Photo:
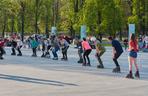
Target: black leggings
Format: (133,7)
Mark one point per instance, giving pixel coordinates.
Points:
(116,56)
(34,51)
(13,50)
(1,51)
(86,55)
(99,57)
(64,52)
(19,50)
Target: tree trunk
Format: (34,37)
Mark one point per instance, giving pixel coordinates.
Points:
(4,26)
(76,6)
(72,31)
(22,19)
(146,15)
(12,24)
(36,16)
(130,2)
(46,28)
(120,35)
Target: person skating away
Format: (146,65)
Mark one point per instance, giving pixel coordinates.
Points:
(117,51)
(2,42)
(64,46)
(34,45)
(80,51)
(100,49)
(13,46)
(87,50)
(133,49)
(19,46)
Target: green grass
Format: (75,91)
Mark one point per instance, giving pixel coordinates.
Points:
(107,45)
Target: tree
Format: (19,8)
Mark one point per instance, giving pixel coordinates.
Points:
(48,11)
(8,10)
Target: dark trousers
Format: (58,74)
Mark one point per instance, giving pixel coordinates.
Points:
(99,57)
(34,51)
(19,50)
(64,52)
(80,51)
(116,56)
(86,55)
(54,52)
(1,51)
(13,50)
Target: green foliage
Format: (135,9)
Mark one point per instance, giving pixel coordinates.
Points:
(101,16)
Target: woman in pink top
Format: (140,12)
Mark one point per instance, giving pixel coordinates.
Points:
(87,50)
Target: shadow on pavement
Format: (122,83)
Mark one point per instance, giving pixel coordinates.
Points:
(35,80)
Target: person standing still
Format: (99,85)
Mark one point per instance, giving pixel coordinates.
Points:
(117,51)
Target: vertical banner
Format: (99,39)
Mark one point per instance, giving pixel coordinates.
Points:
(53,31)
(83,31)
(131,29)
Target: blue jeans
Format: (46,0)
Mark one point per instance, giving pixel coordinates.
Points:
(54,52)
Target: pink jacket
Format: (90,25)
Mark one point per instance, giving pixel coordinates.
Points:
(85,45)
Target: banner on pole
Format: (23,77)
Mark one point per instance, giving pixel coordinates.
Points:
(83,31)
(131,29)
(53,31)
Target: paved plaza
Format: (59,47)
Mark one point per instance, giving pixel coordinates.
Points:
(30,76)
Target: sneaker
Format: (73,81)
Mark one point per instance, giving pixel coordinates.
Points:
(88,64)
(47,56)
(55,58)
(66,59)
(19,54)
(13,54)
(62,58)
(34,55)
(80,61)
(100,66)
(116,70)
(130,75)
(84,64)
(42,56)
(137,74)
(1,58)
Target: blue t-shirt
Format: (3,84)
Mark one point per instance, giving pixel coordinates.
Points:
(116,44)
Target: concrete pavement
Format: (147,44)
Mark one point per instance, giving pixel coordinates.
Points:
(29,76)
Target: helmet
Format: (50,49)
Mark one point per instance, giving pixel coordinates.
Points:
(93,38)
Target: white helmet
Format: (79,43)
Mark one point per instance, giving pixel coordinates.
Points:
(93,38)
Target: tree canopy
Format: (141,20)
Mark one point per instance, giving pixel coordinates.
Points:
(109,17)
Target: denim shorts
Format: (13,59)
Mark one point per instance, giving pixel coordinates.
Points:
(133,54)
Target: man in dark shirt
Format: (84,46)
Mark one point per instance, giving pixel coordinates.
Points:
(117,51)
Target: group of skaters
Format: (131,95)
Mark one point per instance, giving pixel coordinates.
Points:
(143,43)
(84,49)
(54,44)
